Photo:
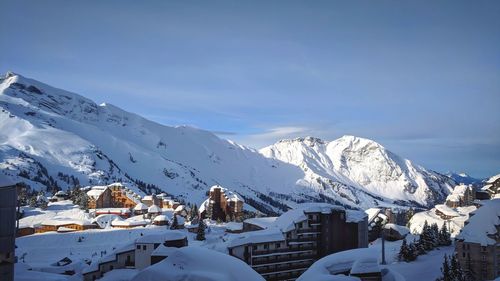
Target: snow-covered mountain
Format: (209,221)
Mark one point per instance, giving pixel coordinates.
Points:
(50,137)
(464,178)
(363,164)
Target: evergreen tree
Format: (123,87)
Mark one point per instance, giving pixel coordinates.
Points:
(426,237)
(412,252)
(445,271)
(419,246)
(434,234)
(200,235)
(175,223)
(444,236)
(194,213)
(403,251)
(456,270)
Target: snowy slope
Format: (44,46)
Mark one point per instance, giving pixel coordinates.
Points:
(50,137)
(362,163)
(464,178)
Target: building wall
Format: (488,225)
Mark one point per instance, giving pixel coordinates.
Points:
(8,201)
(143,254)
(122,260)
(483,260)
(316,237)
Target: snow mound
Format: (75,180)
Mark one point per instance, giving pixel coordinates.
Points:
(198,264)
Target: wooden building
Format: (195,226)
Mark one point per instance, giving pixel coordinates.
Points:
(222,204)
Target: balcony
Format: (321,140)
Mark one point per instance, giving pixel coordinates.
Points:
(275,269)
(310,230)
(281,259)
(287,250)
(304,239)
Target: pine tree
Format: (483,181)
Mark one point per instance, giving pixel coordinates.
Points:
(444,236)
(412,252)
(403,251)
(426,237)
(434,231)
(200,235)
(445,271)
(175,223)
(456,270)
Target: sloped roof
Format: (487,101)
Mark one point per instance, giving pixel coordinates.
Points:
(482,223)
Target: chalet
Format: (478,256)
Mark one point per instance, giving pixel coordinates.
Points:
(122,258)
(112,196)
(25,230)
(222,204)
(140,209)
(150,200)
(122,212)
(154,211)
(476,246)
(492,186)
(445,212)
(145,246)
(64,225)
(170,203)
(286,248)
(160,220)
(254,224)
(182,210)
(393,232)
(461,196)
(129,223)
(59,196)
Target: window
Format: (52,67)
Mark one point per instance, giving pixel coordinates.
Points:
(254,247)
(144,247)
(138,247)
(278,245)
(111,267)
(265,246)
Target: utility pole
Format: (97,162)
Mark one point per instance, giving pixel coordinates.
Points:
(383,247)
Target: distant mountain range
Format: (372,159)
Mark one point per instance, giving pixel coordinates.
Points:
(465,179)
(53,138)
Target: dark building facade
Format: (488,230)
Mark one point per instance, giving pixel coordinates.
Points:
(299,238)
(8,202)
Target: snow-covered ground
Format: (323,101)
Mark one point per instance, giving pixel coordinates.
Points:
(454,224)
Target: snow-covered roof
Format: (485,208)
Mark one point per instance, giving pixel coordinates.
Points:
(163,251)
(61,222)
(365,265)
(228,194)
(482,223)
(96,191)
(168,235)
(263,222)
(259,236)
(447,210)
(234,226)
(453,198)
(94,266)
(128,222)
(154,209)
(327,267)
(140,207)
(197,263)
(148,197)
(204,205)
(182,207)
(493,179)
(160,218)
(372,213)
(403,230)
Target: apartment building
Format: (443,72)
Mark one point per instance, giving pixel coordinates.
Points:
(478,245)
(298,238)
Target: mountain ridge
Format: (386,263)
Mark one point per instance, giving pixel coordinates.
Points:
(49,135)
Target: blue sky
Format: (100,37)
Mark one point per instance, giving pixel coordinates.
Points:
(420,77)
